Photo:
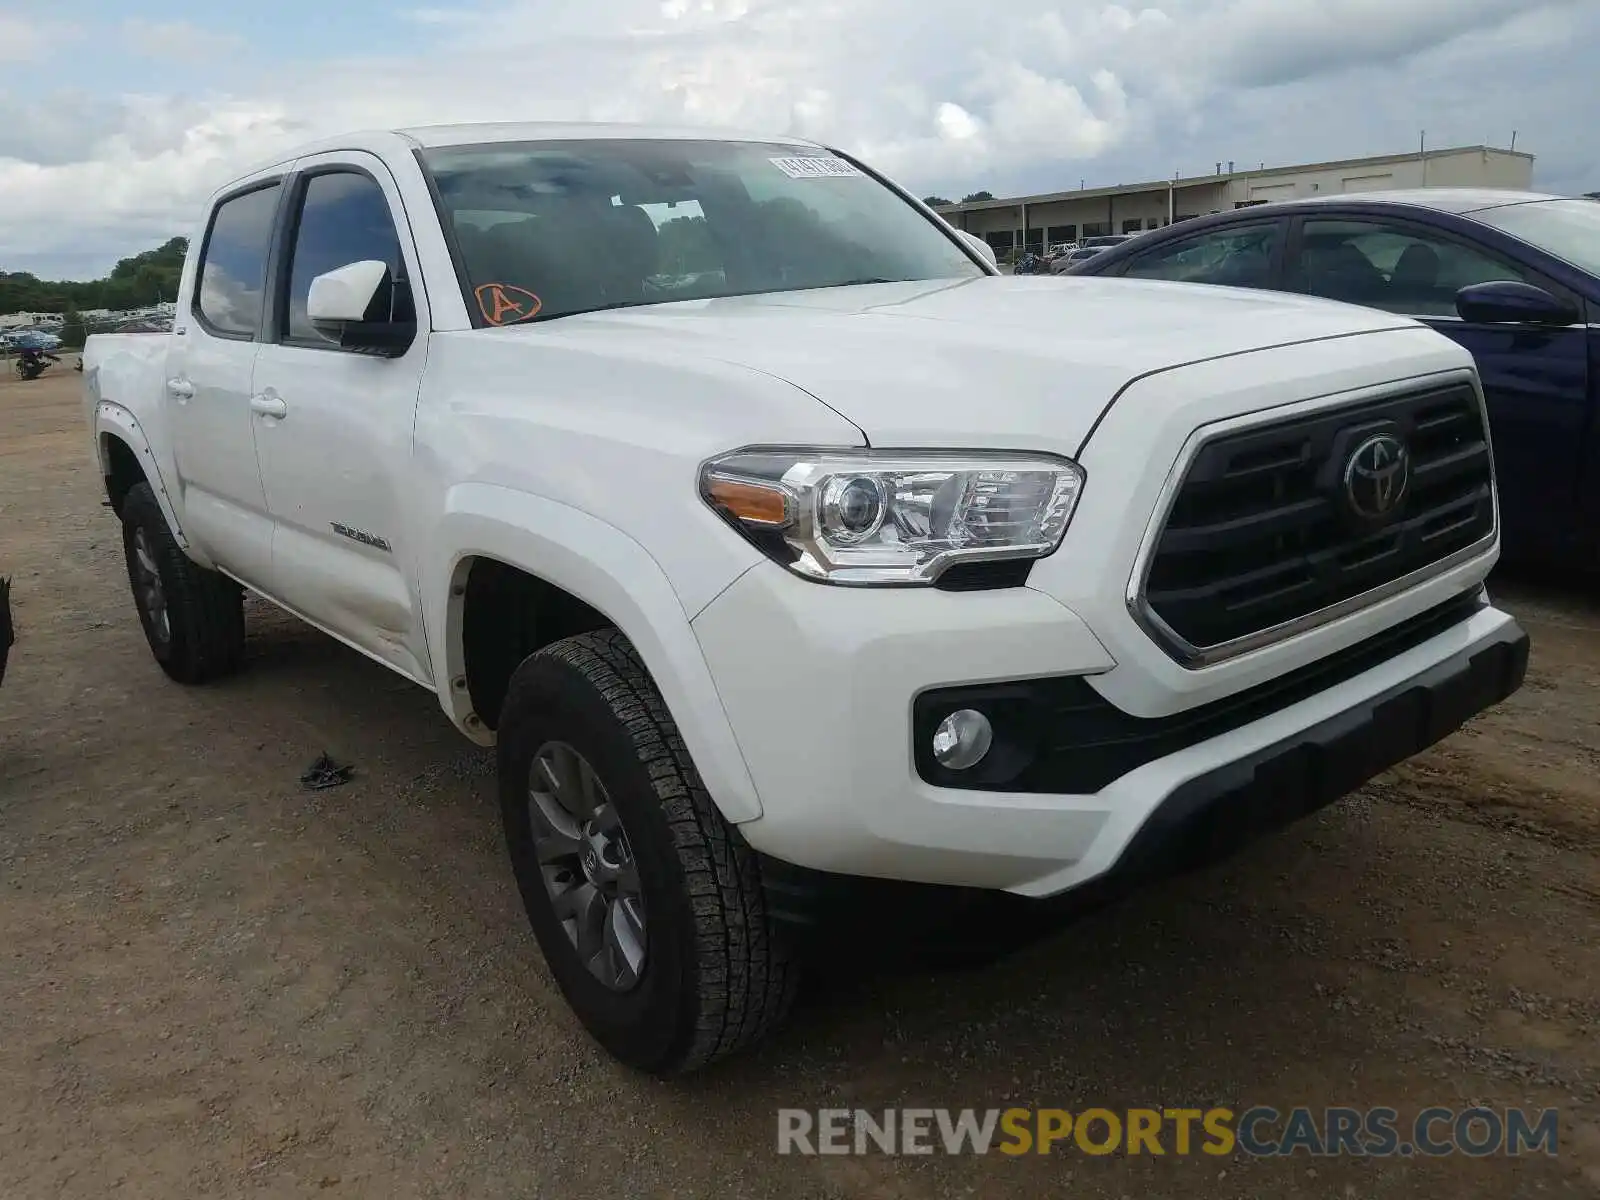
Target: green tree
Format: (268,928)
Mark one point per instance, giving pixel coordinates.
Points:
(119,293)
(935,201)
(972,196)
(73,331)
(686,246)
(134,282)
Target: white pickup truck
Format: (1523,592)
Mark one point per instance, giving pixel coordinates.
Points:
(783,545)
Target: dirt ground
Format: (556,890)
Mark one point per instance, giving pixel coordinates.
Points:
(215,983)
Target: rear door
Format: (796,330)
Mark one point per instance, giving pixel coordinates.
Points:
(1535,379)
(212,355)
(1589,477)
(336,451)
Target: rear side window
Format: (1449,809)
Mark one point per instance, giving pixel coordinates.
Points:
(233,273)
(344,218)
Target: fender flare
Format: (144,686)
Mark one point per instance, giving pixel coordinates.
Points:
(612,573)
(111,418)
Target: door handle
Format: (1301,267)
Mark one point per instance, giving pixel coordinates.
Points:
(269,406)
(182,389)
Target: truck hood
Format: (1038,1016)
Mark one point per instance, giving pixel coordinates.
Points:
(1000,360)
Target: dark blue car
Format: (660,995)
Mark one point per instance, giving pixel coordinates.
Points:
(1513,276)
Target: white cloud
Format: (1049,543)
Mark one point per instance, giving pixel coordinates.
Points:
(1260,42)
(715,10)
(956,124)
(176,40)
(141,184)
(946,98)
(435,16)
(1033,112)
(26,36)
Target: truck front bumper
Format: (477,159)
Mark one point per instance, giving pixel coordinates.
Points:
(822,686)
(1296,774)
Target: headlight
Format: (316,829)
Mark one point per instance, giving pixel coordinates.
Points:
(874,516)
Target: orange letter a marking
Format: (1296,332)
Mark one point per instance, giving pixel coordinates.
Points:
(502,304)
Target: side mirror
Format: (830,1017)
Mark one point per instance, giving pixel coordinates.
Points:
(1509,302)
(983,248)
(357,308)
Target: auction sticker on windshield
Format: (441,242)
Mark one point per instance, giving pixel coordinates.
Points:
(815,168)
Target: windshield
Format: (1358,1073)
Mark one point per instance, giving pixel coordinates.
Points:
(550,229)
(1567,229)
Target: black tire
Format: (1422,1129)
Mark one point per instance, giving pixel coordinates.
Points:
(203,637)
(714,979)
(7,631)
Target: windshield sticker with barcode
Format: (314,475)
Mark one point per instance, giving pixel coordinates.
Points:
(815,168)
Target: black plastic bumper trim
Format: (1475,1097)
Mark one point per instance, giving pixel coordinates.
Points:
(1058,734)
(1225,808)
(1201,821)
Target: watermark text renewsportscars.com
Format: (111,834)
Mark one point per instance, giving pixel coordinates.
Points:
(1258,1131)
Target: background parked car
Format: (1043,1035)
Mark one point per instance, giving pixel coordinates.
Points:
(1513,276)
(1059,265)
(1087,249)
(32,339)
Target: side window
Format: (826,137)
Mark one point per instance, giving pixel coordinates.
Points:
(1235,256)
(1414,272)
(344,218)
(233,272)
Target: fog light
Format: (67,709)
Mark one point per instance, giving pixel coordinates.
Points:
(962,739)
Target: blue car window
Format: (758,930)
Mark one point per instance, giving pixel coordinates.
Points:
(1400,269)
(1236,256)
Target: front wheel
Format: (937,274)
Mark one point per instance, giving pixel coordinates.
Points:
(647,904)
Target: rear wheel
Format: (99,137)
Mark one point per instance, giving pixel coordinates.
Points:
(647,904)
(193,618)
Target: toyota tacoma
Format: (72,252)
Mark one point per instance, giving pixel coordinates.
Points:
(777,540)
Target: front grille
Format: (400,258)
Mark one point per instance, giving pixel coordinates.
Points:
(1263,530)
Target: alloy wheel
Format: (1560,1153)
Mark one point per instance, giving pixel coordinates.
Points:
(587,865)
(152,595)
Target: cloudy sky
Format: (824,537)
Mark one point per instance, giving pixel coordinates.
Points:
(117,119)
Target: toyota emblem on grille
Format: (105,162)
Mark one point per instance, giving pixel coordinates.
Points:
(1376,476)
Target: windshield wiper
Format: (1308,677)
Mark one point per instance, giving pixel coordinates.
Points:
(668,298)
(578,312)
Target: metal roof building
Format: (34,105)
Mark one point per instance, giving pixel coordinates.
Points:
(1035,221)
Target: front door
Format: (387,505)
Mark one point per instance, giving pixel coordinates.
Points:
(209,365)
(1535,382)
(336,448)
(1535,379)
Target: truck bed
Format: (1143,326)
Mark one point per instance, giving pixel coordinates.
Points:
(126,369)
